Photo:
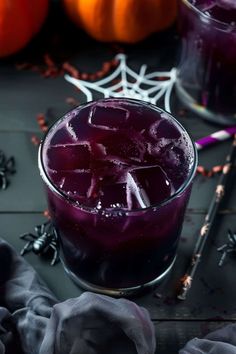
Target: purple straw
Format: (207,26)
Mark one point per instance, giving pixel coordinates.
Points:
(215,137)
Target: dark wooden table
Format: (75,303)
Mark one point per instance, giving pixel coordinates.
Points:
(26,93)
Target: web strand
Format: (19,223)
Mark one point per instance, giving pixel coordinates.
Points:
(150,87)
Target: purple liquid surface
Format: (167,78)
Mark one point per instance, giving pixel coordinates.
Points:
(207,70)
(112,157)
(221,10)
(113,162)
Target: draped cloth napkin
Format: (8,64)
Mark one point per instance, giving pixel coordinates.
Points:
(32,321)
(222,341)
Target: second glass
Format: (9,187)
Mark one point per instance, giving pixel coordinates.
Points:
(206,77)
(118,176)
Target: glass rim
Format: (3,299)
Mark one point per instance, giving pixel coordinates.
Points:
(223,24)
(115,211)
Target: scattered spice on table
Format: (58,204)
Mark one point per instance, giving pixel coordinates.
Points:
(41,119)
(35,140)
(47,215)
(50,69)
(71,70)
(182,113)
(43,125)
(72,101)
(209,172)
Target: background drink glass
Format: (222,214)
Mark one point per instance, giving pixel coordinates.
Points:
(118,176)
(206,78)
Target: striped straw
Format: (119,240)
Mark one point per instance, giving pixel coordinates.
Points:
(215,137)
(209,222)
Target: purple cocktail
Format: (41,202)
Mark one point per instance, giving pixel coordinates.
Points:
(118,177)
(206,79)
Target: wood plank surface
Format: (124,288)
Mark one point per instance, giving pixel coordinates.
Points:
(180,332)
(25,93)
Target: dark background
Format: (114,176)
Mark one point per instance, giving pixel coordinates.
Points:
(26,93)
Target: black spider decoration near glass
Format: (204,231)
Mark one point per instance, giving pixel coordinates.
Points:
(7,167)
(228,247)
(44,240)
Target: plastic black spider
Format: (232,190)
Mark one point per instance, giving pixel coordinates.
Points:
(228,247)
(7,167)
(45,239)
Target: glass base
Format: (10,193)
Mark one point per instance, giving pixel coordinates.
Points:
(205,113)
(116,292)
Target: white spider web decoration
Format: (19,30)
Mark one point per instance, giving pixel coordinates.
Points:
(149,87)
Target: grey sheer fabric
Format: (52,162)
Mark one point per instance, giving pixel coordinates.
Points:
(33,322)
(222,341)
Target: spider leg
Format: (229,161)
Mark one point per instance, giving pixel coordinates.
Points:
(230,250)
(54,243)
(55,255)
(55,234)
(3,180)
(27,248)
(39,229)
(222,259)
(48,227)
(28,237)
(222,247)
(230,236)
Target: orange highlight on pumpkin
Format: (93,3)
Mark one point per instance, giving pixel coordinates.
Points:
(19,22)
(127,21)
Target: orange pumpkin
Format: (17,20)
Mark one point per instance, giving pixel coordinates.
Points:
(20,20)
(127,21)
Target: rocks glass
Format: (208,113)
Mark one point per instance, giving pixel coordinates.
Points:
(206,77)
(118,175)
